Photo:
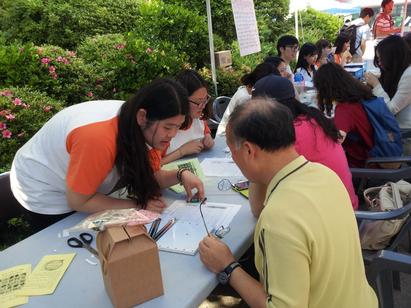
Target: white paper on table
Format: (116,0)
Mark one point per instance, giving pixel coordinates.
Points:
(189,230)
(224,167)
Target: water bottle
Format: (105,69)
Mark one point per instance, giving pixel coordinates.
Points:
(299,82)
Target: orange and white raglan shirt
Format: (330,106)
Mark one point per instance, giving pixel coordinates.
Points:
(75,149)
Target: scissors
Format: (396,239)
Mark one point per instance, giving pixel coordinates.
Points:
(83,242)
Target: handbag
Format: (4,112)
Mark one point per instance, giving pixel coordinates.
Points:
(376,235)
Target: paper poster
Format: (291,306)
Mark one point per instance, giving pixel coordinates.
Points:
(11,281)
(47,274)
(246,26)
(192,164)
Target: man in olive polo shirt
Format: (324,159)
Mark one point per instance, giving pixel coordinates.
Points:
(307,248)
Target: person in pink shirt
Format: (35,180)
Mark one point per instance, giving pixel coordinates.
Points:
(317,138)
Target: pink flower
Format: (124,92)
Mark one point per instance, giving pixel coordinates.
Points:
(39,51)
(120,46)
(3,126)
(52,69)
(114,90)
(48,108)
(149,50)
(54,75)
(17,101)
(90,94)
(7,93)
(10,117)
(21,134)
(71,54)
(59,59)
(25,106)
(66,61)
(45,61)
(6,134)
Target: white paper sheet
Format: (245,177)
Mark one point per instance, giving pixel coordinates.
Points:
(189,229)
(224,167)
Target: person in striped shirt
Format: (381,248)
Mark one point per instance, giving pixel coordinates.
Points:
(384,24)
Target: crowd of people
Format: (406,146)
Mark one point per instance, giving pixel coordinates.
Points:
(297,158)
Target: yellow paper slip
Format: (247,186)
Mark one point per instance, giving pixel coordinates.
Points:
(47,274)
(12,280)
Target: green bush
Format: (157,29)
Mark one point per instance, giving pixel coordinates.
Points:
(65,22)
(22,113)
(184,28)
(121,65)
(228,81)
(51,69)
(318,25)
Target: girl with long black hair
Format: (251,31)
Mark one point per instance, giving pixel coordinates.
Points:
(88,150)
(306,62)
(340,90)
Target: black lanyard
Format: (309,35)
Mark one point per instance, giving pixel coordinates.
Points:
(285,176)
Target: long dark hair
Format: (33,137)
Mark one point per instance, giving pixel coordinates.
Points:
(307,49)
(340,41)
(394,58)
(260,71)
(192,81)
(321,44)
(299,109)
(333,83)
(161,99)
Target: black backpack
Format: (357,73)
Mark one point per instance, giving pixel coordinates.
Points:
(351,32)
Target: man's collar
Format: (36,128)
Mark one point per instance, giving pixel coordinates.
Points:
(287,169)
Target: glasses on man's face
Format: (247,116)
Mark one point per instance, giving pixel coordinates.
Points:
(201,102)
(293,47)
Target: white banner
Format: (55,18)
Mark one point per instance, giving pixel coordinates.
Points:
(246,26)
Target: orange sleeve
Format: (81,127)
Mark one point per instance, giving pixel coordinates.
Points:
(206,128)
(155,159)
(92,150)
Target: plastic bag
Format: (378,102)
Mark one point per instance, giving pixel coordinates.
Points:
(123,217)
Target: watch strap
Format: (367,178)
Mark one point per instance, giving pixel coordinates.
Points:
(231,267)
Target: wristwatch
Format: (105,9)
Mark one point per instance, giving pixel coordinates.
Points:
(224,276)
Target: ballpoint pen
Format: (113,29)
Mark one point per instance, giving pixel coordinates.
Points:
(154,227)
(164,229)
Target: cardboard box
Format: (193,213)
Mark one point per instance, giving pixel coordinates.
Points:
(130,264)
(223,58)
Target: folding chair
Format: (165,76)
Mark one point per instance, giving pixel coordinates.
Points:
(219,106)
(380,272)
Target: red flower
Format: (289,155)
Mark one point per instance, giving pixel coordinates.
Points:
(10,117)
(17,101)
(90,94)
(120,46)
(7,93)
(6,134)
(45,61)
(3,126)
(48,108)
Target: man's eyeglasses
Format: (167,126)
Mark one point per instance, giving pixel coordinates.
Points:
(219,232)
(293,47)
(202,102)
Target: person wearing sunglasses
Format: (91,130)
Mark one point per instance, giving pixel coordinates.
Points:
(306,240)
(197,136)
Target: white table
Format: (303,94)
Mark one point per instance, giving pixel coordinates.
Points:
(186,281)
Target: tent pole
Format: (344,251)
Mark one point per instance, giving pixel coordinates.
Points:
(211,42)
(404,16)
